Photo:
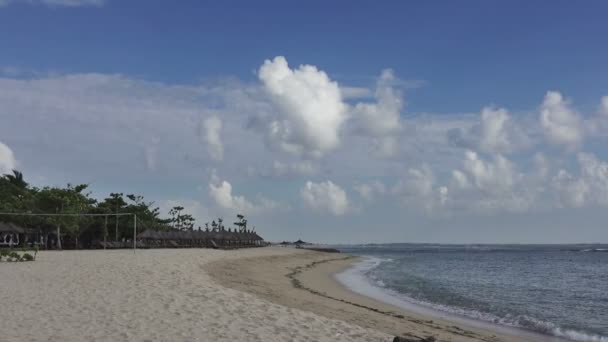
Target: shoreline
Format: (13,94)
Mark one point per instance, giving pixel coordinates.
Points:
(381,295)
(260,294)
(305,280)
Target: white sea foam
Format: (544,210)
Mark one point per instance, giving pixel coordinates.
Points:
(358,279)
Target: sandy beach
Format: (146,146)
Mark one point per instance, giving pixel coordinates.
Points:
(304,280)
(264,294)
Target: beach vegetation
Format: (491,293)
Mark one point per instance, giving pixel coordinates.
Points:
(75,231)
(9,255)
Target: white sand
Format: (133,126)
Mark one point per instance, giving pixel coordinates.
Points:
(154,295)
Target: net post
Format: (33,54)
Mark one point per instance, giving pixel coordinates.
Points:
(105,233)
(134,232)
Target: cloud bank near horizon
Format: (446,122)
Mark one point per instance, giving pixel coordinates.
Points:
(299,138)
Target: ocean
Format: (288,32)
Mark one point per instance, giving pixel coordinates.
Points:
(553,290)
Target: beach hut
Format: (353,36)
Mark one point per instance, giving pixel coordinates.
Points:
(10,234)
(219,237)
(259,241)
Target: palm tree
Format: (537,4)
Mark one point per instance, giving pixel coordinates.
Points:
(16,179)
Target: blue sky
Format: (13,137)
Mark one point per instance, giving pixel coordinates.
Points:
(178,96)
(474,52)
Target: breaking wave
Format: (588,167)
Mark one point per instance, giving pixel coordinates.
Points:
(359,279)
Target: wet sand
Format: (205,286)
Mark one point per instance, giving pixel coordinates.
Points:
(305,280)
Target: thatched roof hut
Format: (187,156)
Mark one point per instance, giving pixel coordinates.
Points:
(201,238)
(7,227)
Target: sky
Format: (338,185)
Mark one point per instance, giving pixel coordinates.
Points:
(336,122)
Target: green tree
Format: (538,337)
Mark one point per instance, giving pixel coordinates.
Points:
(71,200)
(115,204)
(181,221)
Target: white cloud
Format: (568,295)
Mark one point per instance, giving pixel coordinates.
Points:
(94,127)
(595,173)
(489,186)
(87,127)
(56,3)
(7,159)
(571,191)
(604,106)
(325,196)
(192,207)
(460,180)
(385,147)
(496,132)
(418,189)
(491,177)
(221,193)
(368,191)
(355,92)
(383,116)
(598,124)
(212,134)
(380,120)
(310,108)
(561,124)
(589,188)
(542,165)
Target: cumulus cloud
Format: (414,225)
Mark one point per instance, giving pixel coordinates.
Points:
(381,119)
(590,187)
(213,137)
(488,186)
(460,180)
(491,177)
(310,110)
(133,125)
(496,132)
(418,189)
(604,106)
(7,159)
(355,92)
(542,165)
(368,191)
(598,124)
(123,123)
(325,196)
(560,123)
(220,191)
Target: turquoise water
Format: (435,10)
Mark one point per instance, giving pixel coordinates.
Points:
(557,290)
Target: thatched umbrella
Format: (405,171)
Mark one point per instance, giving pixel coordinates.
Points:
(7,227)
(9,234)
(258,239)
(146,234)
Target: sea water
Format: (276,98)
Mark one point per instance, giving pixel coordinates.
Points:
(554,290)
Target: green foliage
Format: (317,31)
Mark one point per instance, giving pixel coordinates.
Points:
(181,221)
(14,256)
(17,196)
(27,257)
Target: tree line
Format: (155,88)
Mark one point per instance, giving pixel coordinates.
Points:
(75,231)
